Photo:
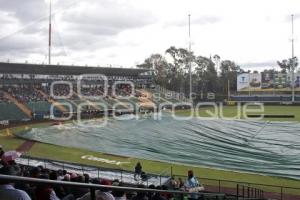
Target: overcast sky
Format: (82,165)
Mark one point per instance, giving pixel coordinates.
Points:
(253,33)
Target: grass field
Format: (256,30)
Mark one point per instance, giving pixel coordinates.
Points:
(41,150)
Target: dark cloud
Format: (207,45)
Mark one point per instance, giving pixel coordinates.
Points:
(77,25)
(25,11)
(107,18)
(20,44)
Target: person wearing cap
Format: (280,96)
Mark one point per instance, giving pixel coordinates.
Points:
(7,190)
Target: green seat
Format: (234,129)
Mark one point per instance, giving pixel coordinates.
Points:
(9,111)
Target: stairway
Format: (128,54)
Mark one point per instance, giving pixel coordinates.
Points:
(58,105)
(95,106)
(145,100)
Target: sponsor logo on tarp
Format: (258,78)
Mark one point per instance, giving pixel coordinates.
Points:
(104,160)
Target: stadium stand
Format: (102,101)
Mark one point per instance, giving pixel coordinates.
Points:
(43,183)
(26,89)
(10,111)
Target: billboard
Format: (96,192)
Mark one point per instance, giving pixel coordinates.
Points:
(268,80)
(281,80)
(242,81)
(248,81)
(254,81)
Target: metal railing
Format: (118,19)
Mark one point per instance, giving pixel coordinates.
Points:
(94,171)
(219,184)
(94,187)
(275,191)
(246,192)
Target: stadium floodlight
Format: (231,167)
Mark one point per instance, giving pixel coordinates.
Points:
(293,62)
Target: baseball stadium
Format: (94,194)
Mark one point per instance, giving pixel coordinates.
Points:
(180,124)
(51,123)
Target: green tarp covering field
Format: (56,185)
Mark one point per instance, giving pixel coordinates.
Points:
(270,148)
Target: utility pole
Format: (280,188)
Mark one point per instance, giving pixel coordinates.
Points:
(293,62)
(228,90)
(50,32)
(190,61)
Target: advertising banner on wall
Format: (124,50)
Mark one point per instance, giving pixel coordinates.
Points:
(267,81)
(243,81)
(281,81)
(254,81)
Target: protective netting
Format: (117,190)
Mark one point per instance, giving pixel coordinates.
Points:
(269,148)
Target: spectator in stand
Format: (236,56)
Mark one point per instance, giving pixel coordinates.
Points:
(151,194)
(118,194)
(25,186)
(35,172)
(7,190)
(173,184)
(1,154)
(78,192)
(157,195)
(166,195)
(103,194)
(180,183)
(60,175)
(137,171)
(192,185)
(46,192)
(8,157)
(141,195)
(58,189)
(86,178)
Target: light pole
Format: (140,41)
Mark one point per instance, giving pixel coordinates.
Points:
(293,62)
(49,45)
(190,61)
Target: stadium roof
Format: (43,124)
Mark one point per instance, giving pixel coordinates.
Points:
(18,68)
